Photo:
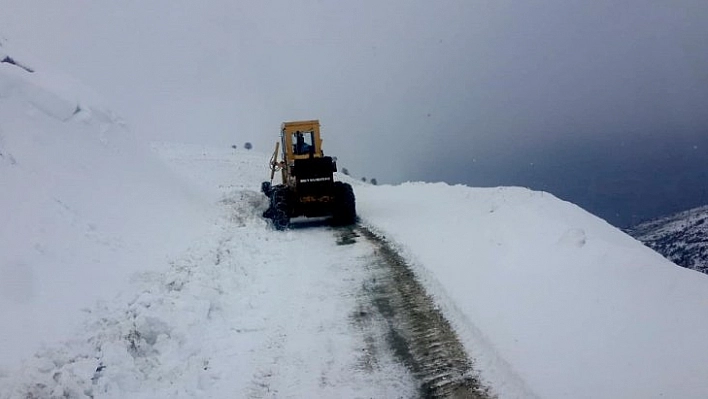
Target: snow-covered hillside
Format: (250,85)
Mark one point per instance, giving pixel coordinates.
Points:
(570,305)
(681,237)
(83,207)
(187,292)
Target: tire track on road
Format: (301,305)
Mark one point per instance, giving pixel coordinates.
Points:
(418,334)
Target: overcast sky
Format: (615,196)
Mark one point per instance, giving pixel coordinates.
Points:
(600,102)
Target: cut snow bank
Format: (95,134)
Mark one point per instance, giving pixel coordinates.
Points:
(82,207)
(547,293)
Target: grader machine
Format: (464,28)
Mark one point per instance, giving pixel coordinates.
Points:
(307,185)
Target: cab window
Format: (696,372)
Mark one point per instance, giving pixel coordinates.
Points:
(302,143)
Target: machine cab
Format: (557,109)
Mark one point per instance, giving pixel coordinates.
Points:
(304,161)
(301,140)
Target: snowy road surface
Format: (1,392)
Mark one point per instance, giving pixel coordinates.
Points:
(246,312)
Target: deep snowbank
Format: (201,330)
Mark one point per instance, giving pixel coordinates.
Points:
(82,207)
(244,312)
(549,293)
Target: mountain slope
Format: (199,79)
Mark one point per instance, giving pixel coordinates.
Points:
(83,207)
(682,237)
(548,294)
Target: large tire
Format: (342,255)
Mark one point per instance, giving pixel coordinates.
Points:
(344,212)
(279,208)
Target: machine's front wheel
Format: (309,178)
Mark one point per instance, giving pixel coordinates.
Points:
(279,208)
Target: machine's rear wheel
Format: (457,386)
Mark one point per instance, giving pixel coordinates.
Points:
(344,212)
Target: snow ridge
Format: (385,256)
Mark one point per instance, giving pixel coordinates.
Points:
(83,206)
(549,299)
(51,92)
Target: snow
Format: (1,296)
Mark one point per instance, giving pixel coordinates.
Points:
(125,276)
(227,317)
(573,306)
(83,209)
(134,272)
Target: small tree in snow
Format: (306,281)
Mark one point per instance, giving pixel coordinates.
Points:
(233,146)
(345,171)
(374,182)
(247,146)
(363,179)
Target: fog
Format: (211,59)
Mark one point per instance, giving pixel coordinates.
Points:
(601,103)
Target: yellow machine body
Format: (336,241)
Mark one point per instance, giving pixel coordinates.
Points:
(308,187)
(298,140)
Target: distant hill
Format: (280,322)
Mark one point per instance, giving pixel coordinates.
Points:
(681,237)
